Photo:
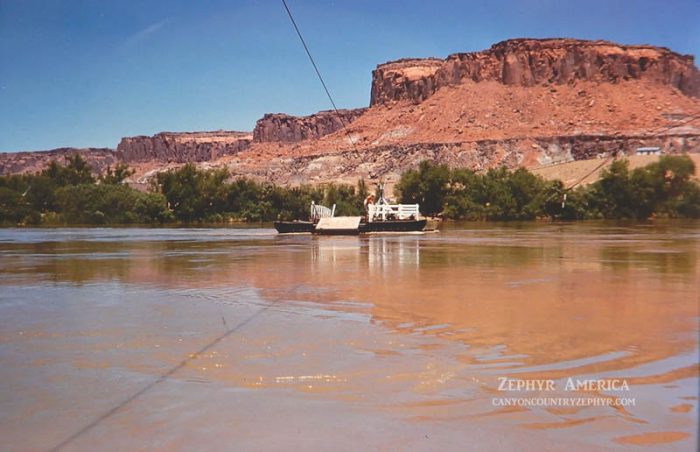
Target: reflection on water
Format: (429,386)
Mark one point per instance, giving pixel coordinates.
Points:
(401,339)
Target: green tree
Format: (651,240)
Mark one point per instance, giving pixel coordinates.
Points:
(244,197)
(14,208)
(194,194)
(662,188)
(688,205)
(362,193)
(465,200)
(117,175)
(76,172)
(427,186)
(346,201)
(612,195)
(110,204)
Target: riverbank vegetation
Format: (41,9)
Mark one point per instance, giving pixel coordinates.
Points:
(70,194)
(197,195)
(661,189)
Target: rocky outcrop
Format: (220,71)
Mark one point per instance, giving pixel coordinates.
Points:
(528,102)
(529,62)
(32,162)
(279,127)
(405,79)
(172,147)
(388,162)
(182,147)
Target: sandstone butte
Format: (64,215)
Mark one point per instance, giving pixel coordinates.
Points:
(523,102)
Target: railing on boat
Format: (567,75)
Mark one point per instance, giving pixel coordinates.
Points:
(383,212)
(318,211)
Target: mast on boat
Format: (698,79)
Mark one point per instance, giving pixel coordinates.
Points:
(383,211)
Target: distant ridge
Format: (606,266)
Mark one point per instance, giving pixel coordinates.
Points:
(522,102)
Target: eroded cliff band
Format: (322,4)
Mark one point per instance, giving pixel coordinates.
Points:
(522,102)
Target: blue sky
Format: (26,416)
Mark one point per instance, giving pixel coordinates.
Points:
(86,73)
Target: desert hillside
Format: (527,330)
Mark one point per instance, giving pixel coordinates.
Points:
(523,102)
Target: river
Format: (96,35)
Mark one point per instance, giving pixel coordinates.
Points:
(242,339)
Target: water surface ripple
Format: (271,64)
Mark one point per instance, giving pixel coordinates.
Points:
(220,338)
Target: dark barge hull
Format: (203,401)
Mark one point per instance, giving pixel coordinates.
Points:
(393,226)
(337,231)
(297,227)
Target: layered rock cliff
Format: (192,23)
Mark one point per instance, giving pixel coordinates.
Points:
(183,147)
(279,127)
(387,162)
(528,102)
(529,62)
(172,147)
(31,162)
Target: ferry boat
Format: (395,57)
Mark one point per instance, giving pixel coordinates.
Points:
(301,226)
(380,216)
(384,217)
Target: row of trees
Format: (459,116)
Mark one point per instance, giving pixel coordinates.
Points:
(661,189)
(70,194)
(196,195)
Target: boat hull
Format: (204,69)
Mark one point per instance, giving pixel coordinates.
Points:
(337,231)
(393,226)
(299,227)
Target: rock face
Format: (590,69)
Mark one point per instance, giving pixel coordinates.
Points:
(279,127)
(386,163)
(31,162)
(529,62)
(182,147)
(173,147)
(523,102)
(405,79)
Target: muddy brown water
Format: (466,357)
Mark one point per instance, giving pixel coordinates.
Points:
(241,339)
